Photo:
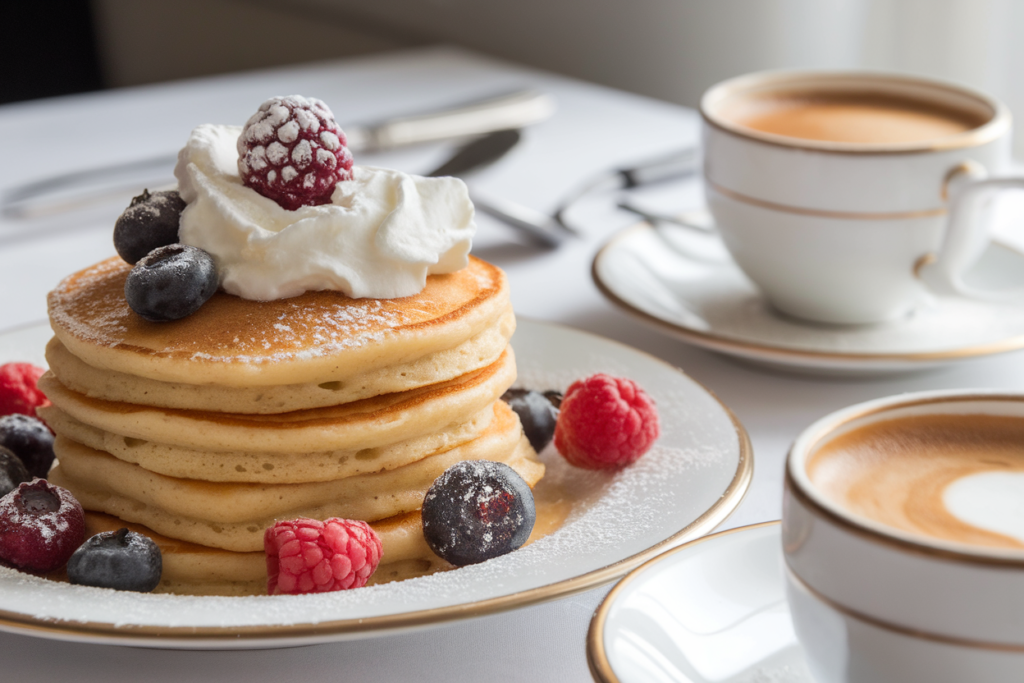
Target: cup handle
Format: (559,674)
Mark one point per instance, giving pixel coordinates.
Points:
(966,237)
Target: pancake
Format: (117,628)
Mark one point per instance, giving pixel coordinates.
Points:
(202,432)
(369,423)
(472,354)
(190,569)
(267,468)
(316,337)
(233,516)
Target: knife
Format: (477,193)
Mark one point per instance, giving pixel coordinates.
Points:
(494,113)
(538,228)
(507,111)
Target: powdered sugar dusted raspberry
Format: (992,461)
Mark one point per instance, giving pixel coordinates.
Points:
(310,556)
(605,422)
(293,152)
(41,525)
(18,391)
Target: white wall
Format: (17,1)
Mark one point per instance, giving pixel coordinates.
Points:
(669,49)
(157,40)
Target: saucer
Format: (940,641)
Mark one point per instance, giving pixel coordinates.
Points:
(686,286)
(713,610)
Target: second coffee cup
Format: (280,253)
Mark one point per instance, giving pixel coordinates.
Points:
(903,539)
(847,196)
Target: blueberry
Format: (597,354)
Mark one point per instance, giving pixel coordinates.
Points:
(477,510)
(149,222)
(536,412)
(12,472)
(555,397)
(30,440)
(171,282)
(122,559)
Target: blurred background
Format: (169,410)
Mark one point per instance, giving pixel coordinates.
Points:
(667,49)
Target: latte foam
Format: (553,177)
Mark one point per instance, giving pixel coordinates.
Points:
(951,477)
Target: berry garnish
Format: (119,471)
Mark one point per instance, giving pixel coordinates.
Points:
(122,559)
(40,526)
(310,556)
(18,391)
(292,151)
(12,472)
(605,423)
(149,222)
(536,413)
(171,283)
(477,510)
(30,440)
(555,397)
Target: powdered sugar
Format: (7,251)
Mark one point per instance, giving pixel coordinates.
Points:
(91,307)
(616,518)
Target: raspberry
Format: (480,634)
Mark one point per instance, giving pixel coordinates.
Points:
(310,556)
(605,423)
(18,392)
(40,526)
(292,151)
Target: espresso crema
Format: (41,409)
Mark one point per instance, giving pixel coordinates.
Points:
(864,118)
(952,477)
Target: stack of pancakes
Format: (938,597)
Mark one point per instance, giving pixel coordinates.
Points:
(202,432)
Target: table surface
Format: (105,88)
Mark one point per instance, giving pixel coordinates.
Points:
(593,129)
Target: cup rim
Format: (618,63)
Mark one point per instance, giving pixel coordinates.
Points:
(800,485)
(995,127)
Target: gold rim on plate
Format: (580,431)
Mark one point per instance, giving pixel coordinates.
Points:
(138,634)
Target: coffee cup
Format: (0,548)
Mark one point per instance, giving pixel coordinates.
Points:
(848,197)
(903,538)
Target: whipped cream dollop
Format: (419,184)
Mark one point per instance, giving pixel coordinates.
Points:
(382,234)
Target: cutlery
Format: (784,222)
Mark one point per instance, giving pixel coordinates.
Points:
(507,111)
(49,196)
(699,220)
(672,166)
(540,229)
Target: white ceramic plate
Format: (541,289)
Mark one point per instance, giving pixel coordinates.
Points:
(712,611)
(686,286)
(690,481)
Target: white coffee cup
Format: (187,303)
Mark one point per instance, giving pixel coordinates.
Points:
(874,604)
(853,232)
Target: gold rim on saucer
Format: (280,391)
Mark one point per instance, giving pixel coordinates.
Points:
(597,655)
(781,354)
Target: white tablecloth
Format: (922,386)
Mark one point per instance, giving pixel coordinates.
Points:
(594,129)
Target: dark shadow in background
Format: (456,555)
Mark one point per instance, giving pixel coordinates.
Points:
(47,48)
